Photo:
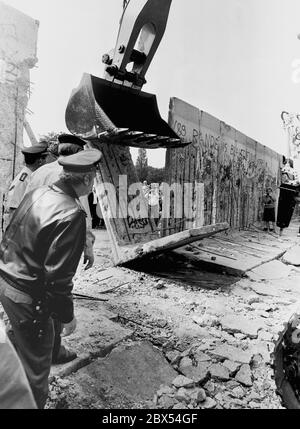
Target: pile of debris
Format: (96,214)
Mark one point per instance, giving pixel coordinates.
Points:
(221,377)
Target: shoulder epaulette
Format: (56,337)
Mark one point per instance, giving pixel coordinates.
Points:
(23,177)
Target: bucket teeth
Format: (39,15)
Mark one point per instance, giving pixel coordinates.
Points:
(174,141)
(118,132)
(132,135)
(145,137)
(160,140)
(139,139)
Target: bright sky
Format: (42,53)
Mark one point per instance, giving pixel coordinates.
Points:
(231,58)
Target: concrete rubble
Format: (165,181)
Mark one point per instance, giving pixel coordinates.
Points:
(152,348)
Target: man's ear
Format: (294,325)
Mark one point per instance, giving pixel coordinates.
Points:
(87,180)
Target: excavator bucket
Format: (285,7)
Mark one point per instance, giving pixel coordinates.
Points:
(102,109)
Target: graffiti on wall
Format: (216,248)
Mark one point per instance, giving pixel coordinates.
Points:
(9,72)
(235,169)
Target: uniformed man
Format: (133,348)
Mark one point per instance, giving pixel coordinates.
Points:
(38,263)
(15,392)
(48,174)
(68,144)
(34,157)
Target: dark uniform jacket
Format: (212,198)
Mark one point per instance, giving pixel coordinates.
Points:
(41,248)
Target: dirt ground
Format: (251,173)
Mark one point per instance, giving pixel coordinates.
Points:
(214,331)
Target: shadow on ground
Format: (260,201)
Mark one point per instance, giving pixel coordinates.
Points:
(176,269)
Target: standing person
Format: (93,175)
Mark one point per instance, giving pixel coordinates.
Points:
(39,255)
(15,392)
(146,188)
(269,210)
(288,172)
(34,158)
(153,200)
(288,192)
(68,144)
(93,201)
(48,174)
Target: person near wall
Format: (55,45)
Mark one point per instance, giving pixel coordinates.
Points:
(34,157)
(15,392)
(269,211)
(48,174)
(288,192)
(38,262)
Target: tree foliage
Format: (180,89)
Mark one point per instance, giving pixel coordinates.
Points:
(146,172)
(155,175)
(142,164)
(50,137)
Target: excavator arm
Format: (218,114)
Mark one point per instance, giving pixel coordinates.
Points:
(114,109)
(142,28)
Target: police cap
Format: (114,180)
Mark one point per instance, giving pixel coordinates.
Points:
(70,138)
(37,149)
(82,162)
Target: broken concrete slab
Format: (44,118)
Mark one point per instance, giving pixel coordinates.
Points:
(185,363)
(95,336)
(233,367)
(292,256)
(238,392)
(173,357)
(271,270)
(244,376)
(208,404)
(165,390)
(227,352)
(95,332)
(132,373)
(197,395)
(238,324)
(242,292)
(182,381)
(235,254)
(166,402)
(219,372)
(102,282)
(199,373)
(182,395)
(266,290)
(156,246)
(199,356)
